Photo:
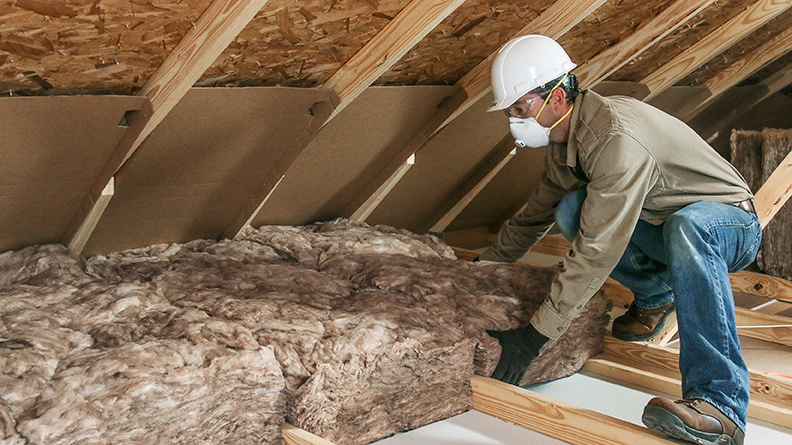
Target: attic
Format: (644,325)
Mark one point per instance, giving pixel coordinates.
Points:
(133,123)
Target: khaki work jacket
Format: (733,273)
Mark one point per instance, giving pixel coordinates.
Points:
(636,162)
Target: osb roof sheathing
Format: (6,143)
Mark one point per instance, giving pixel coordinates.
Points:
(88,46)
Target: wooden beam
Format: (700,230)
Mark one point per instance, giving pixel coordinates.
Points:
(657,368)
(321,111)
(293,435)
(554,22)
(193,55)
(599,67)
(465,194)
(762,285)
(768,327)
(389,45)
(713,44)
(775,192)
(376,198)
(739,70)
(554,418)
(88,225)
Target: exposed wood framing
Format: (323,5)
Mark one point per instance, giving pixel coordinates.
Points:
(738,71)
(657,368)
(554,418)
(762,285)
(376,198)
(596,69)
(713,44)
(465,194)
(293,435)
(761,326)
(386,48)
(775,192)
(321,111)
(554,22)
(89,224)
(772,85)
(199,48)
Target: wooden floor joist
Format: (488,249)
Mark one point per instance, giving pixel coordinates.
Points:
(554,418)
(657,368)
(293,435)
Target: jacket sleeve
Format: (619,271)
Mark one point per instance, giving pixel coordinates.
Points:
(520,233)
(622,172)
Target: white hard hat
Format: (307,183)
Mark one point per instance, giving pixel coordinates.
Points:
(523,64)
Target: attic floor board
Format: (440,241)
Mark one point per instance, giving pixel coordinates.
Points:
(585,390)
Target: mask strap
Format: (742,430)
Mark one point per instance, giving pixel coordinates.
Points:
(562,118)
(550,94)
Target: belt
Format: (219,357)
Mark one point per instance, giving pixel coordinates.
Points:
(746,205)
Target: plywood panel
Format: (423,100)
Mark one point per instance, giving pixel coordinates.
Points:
(193,174)
(349,151)
(300,44)
(79,47)
(53,149)
(441,167)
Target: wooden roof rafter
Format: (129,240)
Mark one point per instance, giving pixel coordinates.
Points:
(739,70)
(411,25)
(215,29)
(740,26)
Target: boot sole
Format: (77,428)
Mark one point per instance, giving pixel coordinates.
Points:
(660,420)
(644,337)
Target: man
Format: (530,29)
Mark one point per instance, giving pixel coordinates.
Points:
(645,200)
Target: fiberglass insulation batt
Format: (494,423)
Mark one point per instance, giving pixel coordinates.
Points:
(375,331)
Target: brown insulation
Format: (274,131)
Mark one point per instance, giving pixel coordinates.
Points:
(88,361)
(376,330)
(757,155)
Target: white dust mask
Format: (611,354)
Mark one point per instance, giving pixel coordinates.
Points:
(528,132)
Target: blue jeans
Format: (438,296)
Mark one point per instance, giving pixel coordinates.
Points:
(687,260)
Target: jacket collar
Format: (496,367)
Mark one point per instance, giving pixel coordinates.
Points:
(565,153)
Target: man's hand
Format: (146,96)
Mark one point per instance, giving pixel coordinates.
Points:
(519,348)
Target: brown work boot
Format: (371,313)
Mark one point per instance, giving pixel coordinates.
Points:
(693,420)
(640,324)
